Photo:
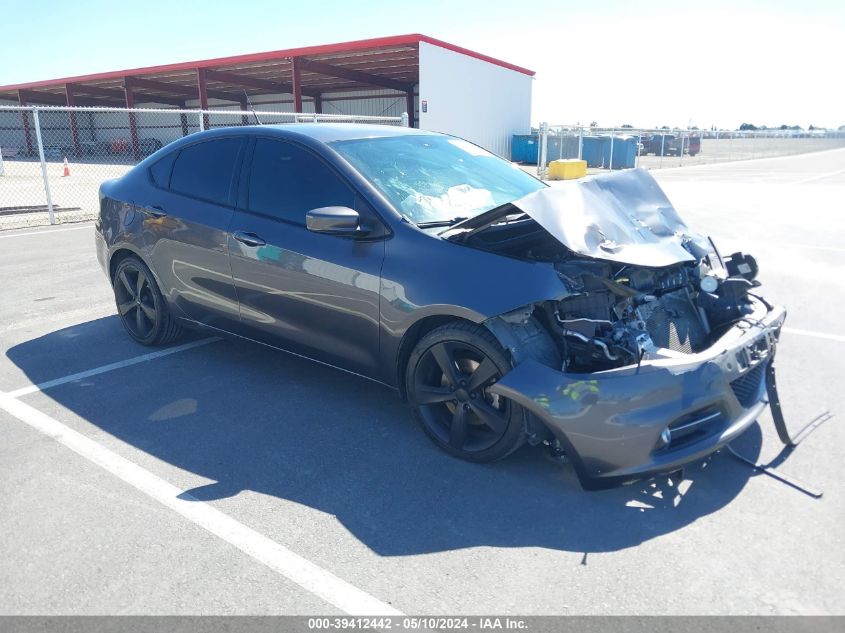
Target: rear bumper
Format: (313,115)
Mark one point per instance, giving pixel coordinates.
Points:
(102,248)
(610,423)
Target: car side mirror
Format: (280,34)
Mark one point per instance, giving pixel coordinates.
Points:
(334,221)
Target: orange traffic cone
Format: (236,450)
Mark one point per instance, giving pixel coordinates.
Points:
(66,171)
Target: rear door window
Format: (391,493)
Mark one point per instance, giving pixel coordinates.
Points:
(206,170)
(286,181)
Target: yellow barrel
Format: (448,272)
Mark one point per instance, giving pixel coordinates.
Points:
(567,169)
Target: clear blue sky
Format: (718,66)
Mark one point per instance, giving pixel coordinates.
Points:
(644,63)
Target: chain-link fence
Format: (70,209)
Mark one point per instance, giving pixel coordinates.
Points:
(53,159)
(623,148)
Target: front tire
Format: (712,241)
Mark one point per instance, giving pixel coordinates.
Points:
(447,380)
(141,306)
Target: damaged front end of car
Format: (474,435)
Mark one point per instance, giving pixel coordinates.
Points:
(658,351)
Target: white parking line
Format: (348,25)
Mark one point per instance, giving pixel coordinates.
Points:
(292,566)
(75,228)
(830,337)
(829,174)
(143,358)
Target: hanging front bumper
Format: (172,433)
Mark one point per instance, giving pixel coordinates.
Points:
(614,424)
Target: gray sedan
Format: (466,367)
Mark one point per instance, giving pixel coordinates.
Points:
(586,317)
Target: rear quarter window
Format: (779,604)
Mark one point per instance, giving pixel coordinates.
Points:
(161,169)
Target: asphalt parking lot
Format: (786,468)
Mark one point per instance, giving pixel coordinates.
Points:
(221,477)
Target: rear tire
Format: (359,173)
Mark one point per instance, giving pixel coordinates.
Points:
(142,309)
(447,380)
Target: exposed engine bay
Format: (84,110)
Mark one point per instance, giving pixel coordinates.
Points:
(621,315)
(640,284)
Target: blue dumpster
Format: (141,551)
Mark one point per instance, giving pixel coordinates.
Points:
(593,151)
(597,151)
(558,147)
(524,148)
(624,152)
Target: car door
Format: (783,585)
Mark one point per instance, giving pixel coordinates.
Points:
(310,293)
(189,211)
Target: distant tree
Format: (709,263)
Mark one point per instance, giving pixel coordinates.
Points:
(747,127)
(694,127)
(665,127)
(627,126)
(594,124)
(812,127)
(784,127)
(841,128)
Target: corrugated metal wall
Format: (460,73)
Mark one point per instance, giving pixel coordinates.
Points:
(12,135)
(379,103)
(94,127)
(361,102)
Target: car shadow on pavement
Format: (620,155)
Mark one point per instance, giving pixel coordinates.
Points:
(253,419)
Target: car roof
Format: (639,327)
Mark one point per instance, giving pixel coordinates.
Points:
(321,132)
(316,133)
(329,132)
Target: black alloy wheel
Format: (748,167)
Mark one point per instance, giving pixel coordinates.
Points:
(449,375)
(141,307)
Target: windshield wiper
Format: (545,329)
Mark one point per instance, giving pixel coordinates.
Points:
(481,221)
(438,223)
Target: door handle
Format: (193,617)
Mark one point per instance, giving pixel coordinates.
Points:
(250,239)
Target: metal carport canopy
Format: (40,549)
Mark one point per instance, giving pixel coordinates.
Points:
(383,63)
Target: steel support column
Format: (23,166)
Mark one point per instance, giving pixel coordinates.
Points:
(202,91)
(411,106)
(26,129)
(296,82)
(318,104)
(183,118)
(74,128)
(133,122)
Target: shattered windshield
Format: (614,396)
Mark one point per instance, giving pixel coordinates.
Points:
(435,179)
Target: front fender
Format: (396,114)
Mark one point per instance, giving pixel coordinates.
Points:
(424,276)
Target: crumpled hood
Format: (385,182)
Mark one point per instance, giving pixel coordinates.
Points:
(623,217)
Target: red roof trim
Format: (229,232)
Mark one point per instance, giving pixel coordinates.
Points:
(481,56)
(395,40)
